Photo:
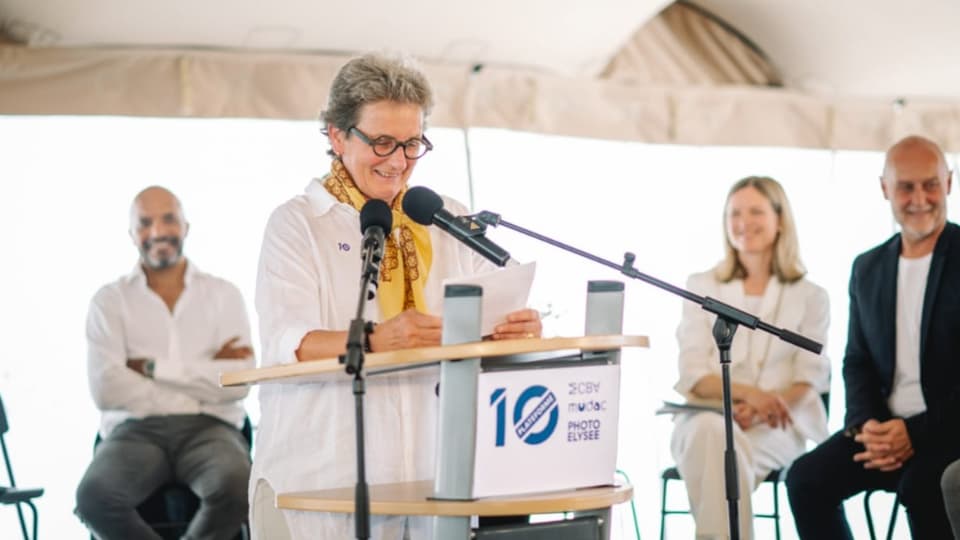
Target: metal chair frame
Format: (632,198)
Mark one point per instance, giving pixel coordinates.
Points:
(12,494)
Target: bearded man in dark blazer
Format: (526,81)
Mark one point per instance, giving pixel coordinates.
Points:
(901,368)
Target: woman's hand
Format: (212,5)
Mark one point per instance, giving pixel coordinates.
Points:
(743,414)
(407,330)
(520,324)
(769,408)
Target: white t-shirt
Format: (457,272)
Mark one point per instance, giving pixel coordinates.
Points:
(906,399)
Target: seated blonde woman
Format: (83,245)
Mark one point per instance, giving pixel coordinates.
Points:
(774,385)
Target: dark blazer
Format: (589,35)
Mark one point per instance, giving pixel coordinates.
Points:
(868,365)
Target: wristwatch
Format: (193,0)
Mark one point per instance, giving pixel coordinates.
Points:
(368,329)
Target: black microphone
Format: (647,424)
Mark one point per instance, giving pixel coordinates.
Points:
(376,220)
(426,208)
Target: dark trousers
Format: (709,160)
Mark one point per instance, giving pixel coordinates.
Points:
(139,456)
(819,481)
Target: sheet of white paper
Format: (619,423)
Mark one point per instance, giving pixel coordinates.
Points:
(505,290)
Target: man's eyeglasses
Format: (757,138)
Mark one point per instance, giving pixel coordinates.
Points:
(386,145)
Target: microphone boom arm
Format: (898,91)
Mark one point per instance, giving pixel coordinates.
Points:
(626,268)
(728,318)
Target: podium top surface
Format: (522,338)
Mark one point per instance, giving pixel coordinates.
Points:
(326,368)
(412,499)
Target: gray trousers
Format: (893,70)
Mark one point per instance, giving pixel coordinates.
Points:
(139,456)
(950,485)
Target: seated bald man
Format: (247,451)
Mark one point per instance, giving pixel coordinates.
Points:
(158,339)
(900,368)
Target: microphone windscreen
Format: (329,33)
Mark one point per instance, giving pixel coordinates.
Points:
(375,213)
(421,204)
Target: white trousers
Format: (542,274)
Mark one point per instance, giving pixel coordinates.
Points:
(698,445)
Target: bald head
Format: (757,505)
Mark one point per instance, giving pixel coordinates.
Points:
(158,227)
(152,196)
(912,148)
(916,181)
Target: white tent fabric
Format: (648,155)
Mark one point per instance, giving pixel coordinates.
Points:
(682,79)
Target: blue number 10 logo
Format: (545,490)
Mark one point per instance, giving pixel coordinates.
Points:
(523,425)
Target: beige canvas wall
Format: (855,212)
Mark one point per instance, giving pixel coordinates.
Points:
(266,85)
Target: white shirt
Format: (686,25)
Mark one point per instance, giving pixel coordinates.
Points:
(129,320)
(308,279)
(906,399)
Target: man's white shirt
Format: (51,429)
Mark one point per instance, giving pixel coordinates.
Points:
(129,320)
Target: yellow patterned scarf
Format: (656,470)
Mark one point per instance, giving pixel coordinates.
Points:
(410,259)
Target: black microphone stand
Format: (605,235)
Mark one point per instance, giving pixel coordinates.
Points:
(728,319)
(353,359)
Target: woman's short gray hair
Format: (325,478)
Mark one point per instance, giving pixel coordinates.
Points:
(369,79)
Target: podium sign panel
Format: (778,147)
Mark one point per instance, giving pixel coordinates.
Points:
(546,429)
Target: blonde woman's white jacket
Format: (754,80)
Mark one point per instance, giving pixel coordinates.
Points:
(758,358)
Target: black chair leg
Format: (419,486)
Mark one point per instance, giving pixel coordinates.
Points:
(868,514)
(776,508)
(893,516)
(35,520)
(663,510)
(23,523)
(773,479)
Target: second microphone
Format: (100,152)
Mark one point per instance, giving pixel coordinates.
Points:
(425,207)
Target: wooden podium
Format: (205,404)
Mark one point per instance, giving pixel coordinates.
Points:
(463,360)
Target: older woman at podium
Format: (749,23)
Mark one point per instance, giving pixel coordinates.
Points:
(775,385)
(307,291)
